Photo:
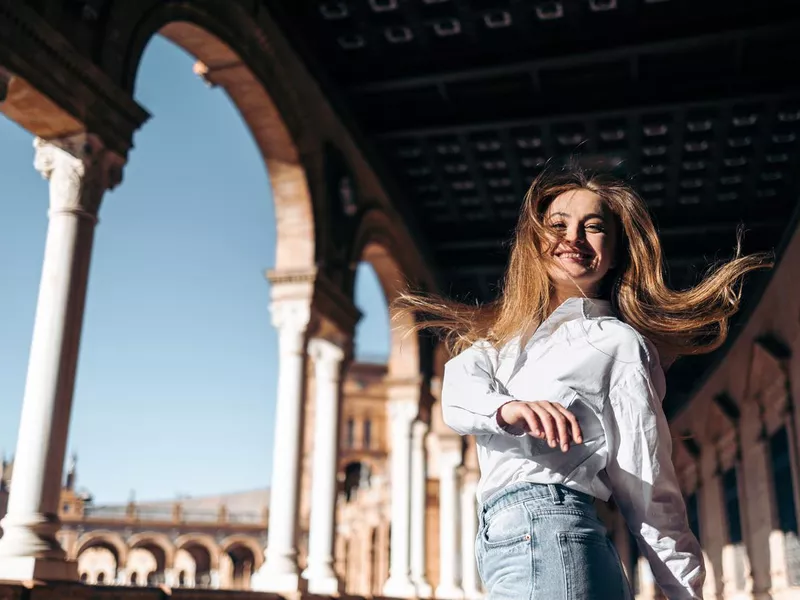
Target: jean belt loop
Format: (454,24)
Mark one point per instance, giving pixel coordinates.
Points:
(555,494)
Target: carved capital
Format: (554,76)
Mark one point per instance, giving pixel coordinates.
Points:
(328,358)
(419,429)
(80,169)
(403,411)
(291,319)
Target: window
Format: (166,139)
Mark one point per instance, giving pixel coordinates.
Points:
(693,514)
(101,578)
(134,578)
(350,434)
(367,434)
(182,579)
(782,480)
(730,496)
(783,487)
(84,577)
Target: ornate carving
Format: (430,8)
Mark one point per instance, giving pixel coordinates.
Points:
(80,170)
(328,357)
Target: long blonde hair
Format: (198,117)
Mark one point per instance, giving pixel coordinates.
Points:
(679,322)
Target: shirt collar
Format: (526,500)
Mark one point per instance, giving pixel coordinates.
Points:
(576,308)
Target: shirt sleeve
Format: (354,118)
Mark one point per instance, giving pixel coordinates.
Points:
(471,395)
(646,489)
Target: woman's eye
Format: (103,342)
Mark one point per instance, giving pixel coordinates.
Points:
(595,227)
(558,225)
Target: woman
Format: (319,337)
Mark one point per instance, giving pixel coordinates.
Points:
(561,383)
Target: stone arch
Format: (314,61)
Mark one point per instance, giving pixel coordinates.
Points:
(204,541)
(102,538)
(376,244)
(158,540)
(251,543)
(226,41)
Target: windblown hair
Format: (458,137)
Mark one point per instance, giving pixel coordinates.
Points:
(678,322)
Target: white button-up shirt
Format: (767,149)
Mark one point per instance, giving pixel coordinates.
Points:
(609,377)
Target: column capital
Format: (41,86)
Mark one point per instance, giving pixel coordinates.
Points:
(327,356)
(419,429)
(403,411)
(80,169)
(290,315)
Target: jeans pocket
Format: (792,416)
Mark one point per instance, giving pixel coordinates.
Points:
(591,567)
(507,527)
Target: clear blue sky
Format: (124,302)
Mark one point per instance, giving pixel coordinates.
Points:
(176,379)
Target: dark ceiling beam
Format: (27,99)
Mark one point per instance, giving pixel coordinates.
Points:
(629,52)
(624,112)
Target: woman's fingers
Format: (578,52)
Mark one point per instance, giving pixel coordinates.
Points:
(532,420)
(575,426)
(561,426)
(548,424)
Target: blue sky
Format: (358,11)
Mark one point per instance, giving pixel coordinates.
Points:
(176,378)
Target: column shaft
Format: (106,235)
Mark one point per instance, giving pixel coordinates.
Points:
(419,501)
(401,413)
(327,368)
(280,572)
(79,171)
(470,581)
(449,521)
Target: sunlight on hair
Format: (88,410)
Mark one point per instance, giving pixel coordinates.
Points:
(678,322)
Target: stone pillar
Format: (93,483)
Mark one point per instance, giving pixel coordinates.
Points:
(280,573)
(419,500)
(403,408)
(450,452)
(79,170)
(320,573)
(470,581)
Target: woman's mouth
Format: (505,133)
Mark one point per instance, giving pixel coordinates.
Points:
(574,256)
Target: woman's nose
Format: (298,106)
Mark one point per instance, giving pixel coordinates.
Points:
(573,233)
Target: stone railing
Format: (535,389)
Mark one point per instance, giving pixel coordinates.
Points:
(175,513)
(76,591)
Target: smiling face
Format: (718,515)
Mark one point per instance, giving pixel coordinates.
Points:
(584,240)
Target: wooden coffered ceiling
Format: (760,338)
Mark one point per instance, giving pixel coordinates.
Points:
(460,103)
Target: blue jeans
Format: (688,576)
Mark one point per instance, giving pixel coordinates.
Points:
(545,542)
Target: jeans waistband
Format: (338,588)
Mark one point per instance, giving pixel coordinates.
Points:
(552,493)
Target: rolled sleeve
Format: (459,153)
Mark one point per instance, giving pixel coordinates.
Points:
(471,395)
(645,487)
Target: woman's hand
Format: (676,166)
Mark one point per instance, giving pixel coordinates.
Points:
(541,419)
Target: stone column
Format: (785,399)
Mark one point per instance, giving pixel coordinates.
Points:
(402,412)
(419,500)
(280,573)
(470,582)
(450,451)
(320,574)
(79,170)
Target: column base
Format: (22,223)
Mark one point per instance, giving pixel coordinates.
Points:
(450,592)
(278,574)
(323,584)
(473,594)
(399,587)
(28,568)
(279,583)
(424,589)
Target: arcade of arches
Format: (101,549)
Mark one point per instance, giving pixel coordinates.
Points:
(371,495)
